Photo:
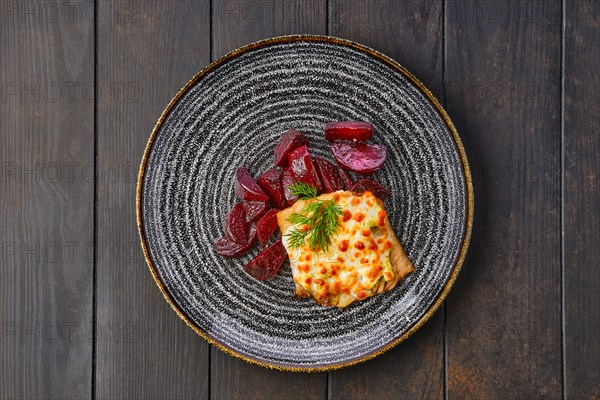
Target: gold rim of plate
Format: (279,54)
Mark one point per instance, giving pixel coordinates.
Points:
(459,146)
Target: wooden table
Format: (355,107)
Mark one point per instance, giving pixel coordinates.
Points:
(82,84)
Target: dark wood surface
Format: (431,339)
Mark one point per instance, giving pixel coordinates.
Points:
(83,83)
(581,197)
(146,52)
(503,87)
(47,203)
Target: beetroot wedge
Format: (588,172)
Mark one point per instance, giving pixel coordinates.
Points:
(303,169)
(270,182)
(346,178)
(287,143)
(266,226)
(236,226)
(266,265)
(348,130)
(330,177)
(246,188)
(359,157)
(228,248)
(372,186)
(255,209)
(288,180)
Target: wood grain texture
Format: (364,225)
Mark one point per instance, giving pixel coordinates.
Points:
(412,370)
(240,22)
(235,23)
(46,204)
(412,34)
(582,199)
(503,93)
(146,52)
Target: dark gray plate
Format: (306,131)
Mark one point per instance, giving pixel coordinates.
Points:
(232,113)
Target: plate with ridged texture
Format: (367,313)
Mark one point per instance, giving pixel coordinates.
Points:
(232,113)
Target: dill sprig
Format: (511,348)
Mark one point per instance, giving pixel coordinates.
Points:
(303,190)
(318,220)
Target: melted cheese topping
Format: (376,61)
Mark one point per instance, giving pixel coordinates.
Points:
(358,257)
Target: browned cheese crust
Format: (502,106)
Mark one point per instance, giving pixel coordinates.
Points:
(401,265)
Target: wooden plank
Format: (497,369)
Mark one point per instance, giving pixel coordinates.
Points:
(503,93)
(46,205)
(235,23)
(581,210)
(239,22)
(412,34)
(411,370)
(146,52)
(409,32)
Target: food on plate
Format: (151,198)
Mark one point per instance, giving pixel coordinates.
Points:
(372,186)
(303,168)
(266,226)
(287,180)
(334,231)
(286,144)
(346,178)
(236,225)
(226,247)
(362,158)
(267,263)
(330,176)
(270,182)
(348,130)
(255,209)
(339,263)
(246,188)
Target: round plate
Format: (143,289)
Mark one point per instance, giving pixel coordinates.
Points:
(232,113)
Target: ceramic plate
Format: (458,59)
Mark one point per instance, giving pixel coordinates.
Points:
(232,113)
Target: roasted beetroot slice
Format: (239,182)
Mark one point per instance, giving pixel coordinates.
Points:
(246,188)
(266,265)
(303,169)
(266,226)
(345,177)
(330,177)
(288,180)
(287,143)
(236,226)
(228,248)
(372,186)
(359,157)
(348,130)
(255,209)
(270,182)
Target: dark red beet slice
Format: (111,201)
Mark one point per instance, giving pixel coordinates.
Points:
(228,248)
(287,143)
(288,180)
(302,167)
(236,226)
(255,209)
(372,186)
(362,158)
(246,188)
(266,226)
(270,182)
(348,130)
(266,265)
(330,177)
(346,178)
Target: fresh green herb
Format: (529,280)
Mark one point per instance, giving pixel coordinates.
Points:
(318,220)
(303,190)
